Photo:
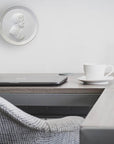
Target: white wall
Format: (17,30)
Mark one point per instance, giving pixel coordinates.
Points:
(71,33)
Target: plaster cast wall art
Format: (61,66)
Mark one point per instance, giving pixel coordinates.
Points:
(19,25)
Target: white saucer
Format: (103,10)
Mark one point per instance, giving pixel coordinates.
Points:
(100,81)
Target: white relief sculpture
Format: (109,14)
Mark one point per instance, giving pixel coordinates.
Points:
(18,25)
(17,29)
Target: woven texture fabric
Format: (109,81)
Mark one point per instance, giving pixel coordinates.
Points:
(18,127)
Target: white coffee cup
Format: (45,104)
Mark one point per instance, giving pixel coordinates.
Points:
(97,72)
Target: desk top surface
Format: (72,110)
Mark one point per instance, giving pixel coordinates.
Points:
(71,86)
(102,113)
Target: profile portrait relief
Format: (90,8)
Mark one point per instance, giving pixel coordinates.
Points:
(18,25)
(17,29)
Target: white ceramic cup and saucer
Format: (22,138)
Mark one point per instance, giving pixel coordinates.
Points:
(96,73)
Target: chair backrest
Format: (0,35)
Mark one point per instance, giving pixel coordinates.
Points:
(16,126)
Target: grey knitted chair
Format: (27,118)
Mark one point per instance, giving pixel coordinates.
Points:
(18,127)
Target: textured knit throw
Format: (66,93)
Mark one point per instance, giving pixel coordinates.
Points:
(18,127)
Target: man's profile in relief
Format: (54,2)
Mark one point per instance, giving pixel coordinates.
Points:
(17,29)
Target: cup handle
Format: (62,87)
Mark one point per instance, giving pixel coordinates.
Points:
(111,71)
